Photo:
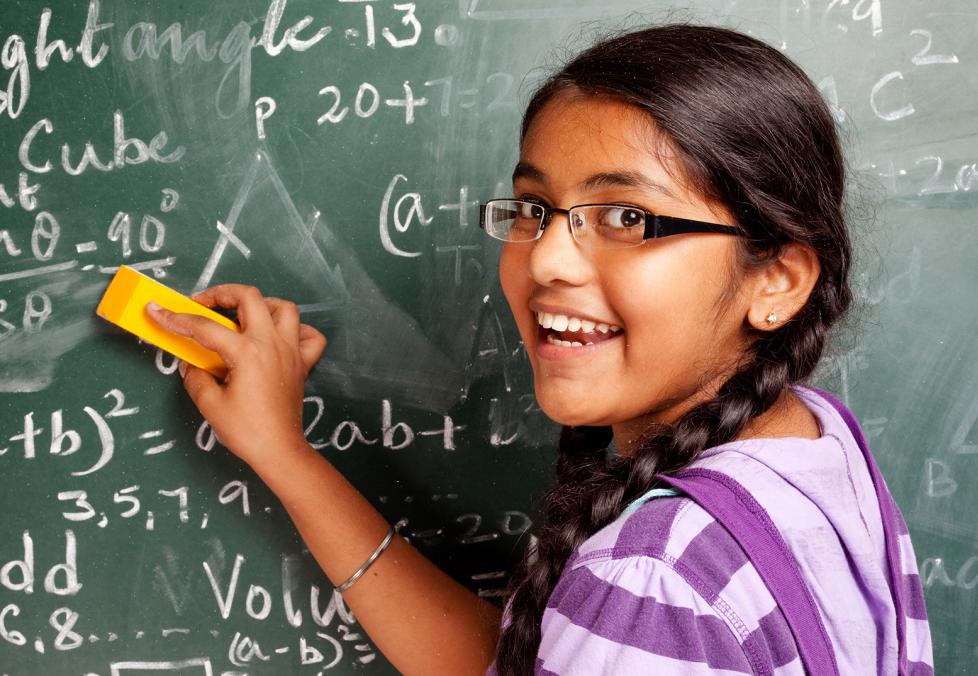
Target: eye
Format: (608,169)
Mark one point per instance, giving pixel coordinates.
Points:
(531,206)
(530,210)
(621,217)
(523,215)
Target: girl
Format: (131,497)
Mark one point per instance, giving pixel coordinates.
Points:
(675,254)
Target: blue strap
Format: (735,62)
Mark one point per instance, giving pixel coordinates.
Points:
(653,493)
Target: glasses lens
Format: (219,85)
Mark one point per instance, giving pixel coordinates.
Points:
(609,226)
(513,220)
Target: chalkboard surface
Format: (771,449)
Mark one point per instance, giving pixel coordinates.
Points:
(333,153)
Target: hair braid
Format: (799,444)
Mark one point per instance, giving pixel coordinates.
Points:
(581,456)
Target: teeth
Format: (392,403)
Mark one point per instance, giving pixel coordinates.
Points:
(565,323)
(565,343)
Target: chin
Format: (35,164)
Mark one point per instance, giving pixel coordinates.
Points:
(573,415)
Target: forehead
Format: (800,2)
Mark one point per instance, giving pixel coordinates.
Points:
(576,135)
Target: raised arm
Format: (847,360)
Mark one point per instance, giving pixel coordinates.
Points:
(420,618)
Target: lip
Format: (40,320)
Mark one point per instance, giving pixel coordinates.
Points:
(560,353)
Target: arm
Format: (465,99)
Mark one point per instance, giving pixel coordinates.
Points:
(421,619)
(416,615)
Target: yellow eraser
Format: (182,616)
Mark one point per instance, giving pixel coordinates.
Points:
(124,304)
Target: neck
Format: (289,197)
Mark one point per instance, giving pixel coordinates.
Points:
(782,419)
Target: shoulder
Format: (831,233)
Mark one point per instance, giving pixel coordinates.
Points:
(665,588)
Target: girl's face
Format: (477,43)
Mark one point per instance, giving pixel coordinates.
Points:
(675,344)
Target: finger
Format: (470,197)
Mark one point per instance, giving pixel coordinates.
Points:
(205,298)
(203,388)
(247,300)
(205,331)
(312,343)
(285,316)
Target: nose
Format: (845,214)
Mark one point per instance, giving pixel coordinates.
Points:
(557,257)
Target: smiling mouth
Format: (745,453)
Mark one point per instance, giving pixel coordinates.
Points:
(574,332)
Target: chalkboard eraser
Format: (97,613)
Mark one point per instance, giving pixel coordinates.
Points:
(124,304)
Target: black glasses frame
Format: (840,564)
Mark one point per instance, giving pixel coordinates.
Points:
(656,225)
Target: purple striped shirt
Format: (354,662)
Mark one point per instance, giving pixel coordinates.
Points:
(666,588)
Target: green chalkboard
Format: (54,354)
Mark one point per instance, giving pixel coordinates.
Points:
(337,160)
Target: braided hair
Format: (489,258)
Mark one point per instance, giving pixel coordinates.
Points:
(752,133)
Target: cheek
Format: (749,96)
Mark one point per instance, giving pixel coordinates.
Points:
(664,302)
(507,272)
(642,291)
(514,280)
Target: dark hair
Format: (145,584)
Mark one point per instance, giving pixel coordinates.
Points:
(753,134)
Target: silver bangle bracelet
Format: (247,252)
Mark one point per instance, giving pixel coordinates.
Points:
(373,557)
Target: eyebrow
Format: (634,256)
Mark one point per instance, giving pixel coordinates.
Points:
(604,179)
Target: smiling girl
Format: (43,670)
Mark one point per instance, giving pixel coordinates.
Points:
(674,256)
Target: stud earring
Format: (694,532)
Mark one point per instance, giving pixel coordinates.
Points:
(772,318)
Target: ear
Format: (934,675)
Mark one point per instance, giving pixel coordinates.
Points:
(782,287)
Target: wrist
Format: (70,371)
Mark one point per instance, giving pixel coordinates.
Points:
(278,454)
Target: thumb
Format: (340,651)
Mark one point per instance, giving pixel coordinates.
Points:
(203,388)
(312,343)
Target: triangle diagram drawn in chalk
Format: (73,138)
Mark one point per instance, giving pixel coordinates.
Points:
(263,237)
(376,350)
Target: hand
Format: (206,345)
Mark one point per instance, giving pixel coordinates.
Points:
(258,407)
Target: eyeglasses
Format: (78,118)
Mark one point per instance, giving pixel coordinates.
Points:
(606,226)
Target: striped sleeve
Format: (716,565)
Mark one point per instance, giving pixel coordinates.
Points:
(917,639)
(634,615)
(667,590)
